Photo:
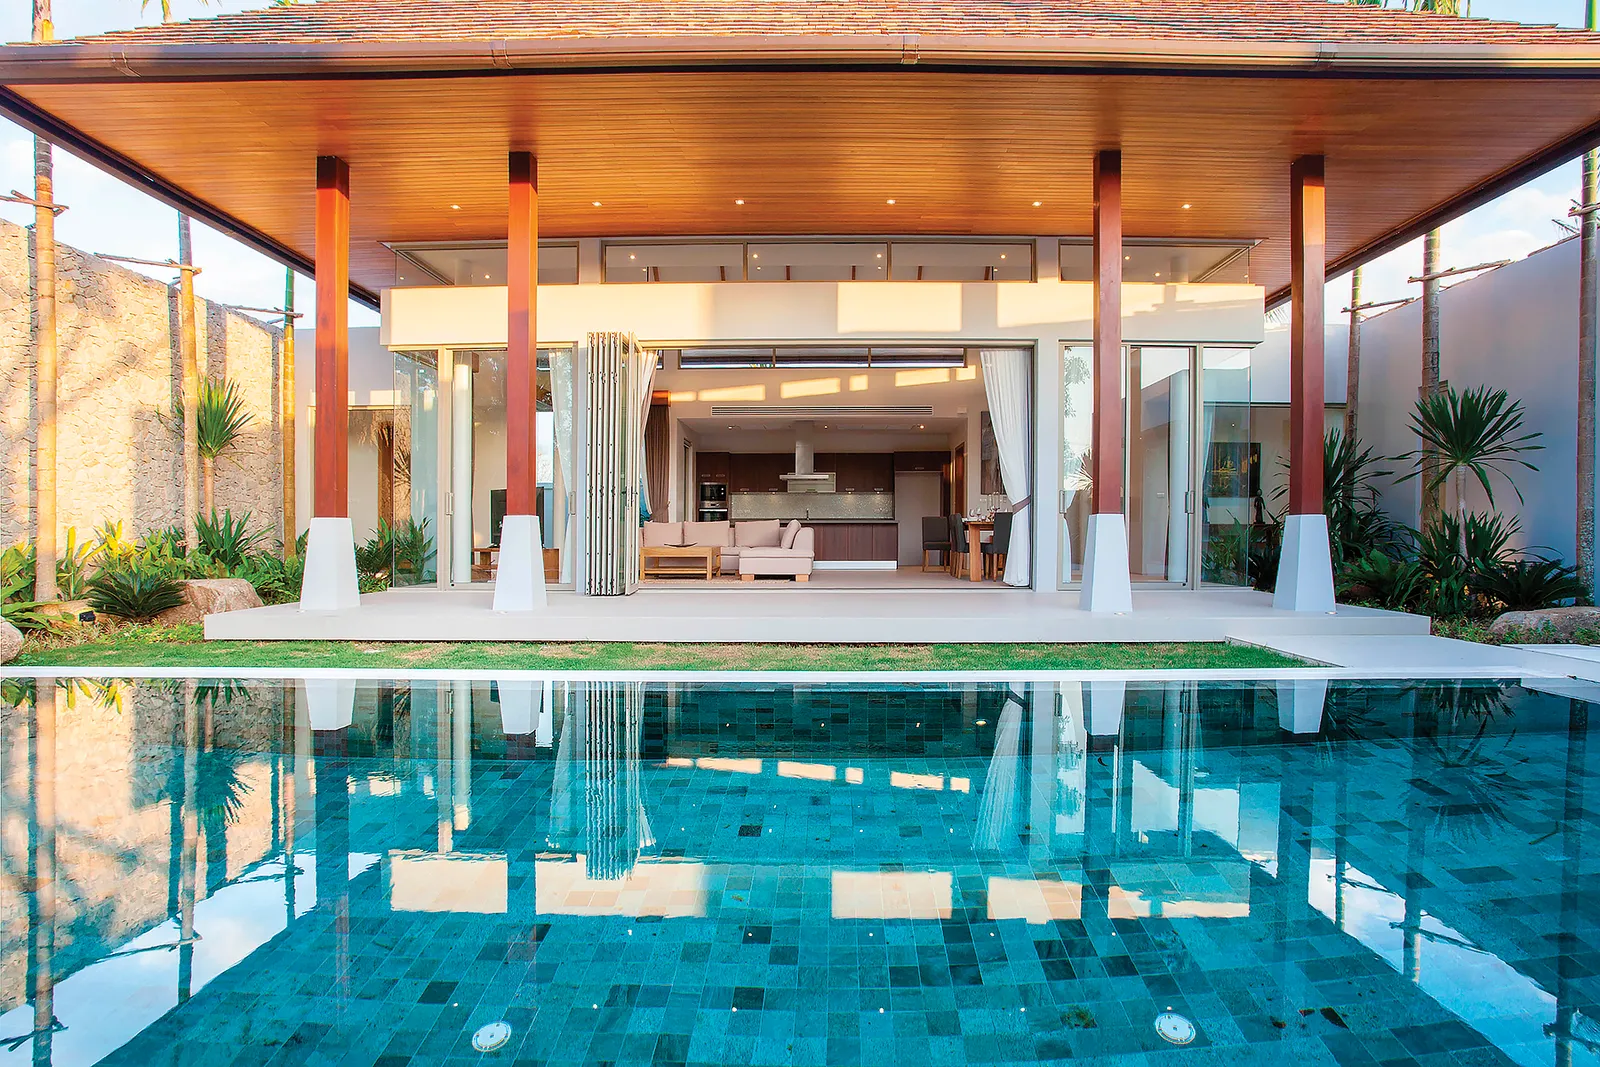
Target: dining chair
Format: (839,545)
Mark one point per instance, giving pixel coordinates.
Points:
(994,550)
(935,538)
(958,544)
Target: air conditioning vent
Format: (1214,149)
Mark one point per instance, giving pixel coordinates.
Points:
(832,411)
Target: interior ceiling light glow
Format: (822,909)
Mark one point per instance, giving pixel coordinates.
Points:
(739,202)
(1038,203)
(455,207)
(596,203)
(1186,207)
(890,201)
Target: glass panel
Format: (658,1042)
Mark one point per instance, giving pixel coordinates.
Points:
(1162,262)
(1230,486)
(723,358)
(475,264)
(1158,440)
(962,261)
(414,469)
(478,463)
(919,357)
(1077,435)
(674,263)
(820,356)
(818,261)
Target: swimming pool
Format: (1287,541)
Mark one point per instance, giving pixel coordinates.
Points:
(219,872)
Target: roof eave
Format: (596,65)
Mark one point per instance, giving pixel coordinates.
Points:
(100,61)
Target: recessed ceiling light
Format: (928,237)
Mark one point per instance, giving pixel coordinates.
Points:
(890,201)
(1186,207)
(1127,258)
(755,255)
(880,255)
(632,256)
(1038,203)
(1158,274)
(455,207)
(596,203)
(1002,255)
(739,202)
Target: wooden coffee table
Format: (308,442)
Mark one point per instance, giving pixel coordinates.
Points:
(658,554)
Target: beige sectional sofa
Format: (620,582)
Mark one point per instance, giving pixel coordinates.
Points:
(763,548)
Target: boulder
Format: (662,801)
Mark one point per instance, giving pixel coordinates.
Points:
(1548,624)
(10,642)
(210,596)
(68,613)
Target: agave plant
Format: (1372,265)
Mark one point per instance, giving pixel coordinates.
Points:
(134,592)
(1477,432)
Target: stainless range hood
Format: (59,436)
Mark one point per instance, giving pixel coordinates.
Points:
(804,478)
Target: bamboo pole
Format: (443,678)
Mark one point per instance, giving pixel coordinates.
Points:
(45,352)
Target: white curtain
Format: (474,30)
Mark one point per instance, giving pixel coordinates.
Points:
(644,374)
(561,408)
(997,807)
(1077,437)
(1008,383)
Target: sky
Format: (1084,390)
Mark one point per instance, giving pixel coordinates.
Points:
(107,216)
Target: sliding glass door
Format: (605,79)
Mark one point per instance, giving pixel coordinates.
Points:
(476,491)
(1191,474)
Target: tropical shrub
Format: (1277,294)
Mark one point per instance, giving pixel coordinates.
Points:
(275,580)
(75,566)
(228,540)
(1528,584)
(136,592)
(1356,525)
(1477,432)
(1487,540)
(413,550)
(375,555)
(1396,584)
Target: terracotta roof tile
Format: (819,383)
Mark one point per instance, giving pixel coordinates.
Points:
(1279,21)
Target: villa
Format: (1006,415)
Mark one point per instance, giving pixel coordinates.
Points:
(870,271)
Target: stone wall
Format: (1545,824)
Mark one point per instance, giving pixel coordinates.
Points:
(118,365)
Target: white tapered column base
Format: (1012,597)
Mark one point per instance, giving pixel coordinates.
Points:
(330,703)
(519,579)
(1106,587)
(330,578)
(1305,570)
(1300,705)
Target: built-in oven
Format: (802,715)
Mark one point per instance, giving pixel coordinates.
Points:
(713,502)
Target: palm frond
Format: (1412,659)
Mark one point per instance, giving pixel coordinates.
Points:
(1478,431)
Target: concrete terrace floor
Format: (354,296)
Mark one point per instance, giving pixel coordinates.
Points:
(957,613)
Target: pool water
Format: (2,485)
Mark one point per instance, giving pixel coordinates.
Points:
(659,873)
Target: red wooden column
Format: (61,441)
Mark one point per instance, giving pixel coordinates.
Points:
(522,344)
(1106,587)
(1305,569)
(1106,457)
(1308,239)
(331,458)
(519,577)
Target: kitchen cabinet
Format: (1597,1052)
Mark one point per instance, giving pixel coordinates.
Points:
(712,466)
(919,462)
(857,541)
(758,472)
(865,472)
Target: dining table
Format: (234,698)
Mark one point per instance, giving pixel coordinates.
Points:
(975,531)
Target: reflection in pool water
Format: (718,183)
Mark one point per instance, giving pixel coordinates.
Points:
(320,872)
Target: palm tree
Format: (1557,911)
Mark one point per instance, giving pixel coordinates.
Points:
(1477,433)
(44,255)
(220,420)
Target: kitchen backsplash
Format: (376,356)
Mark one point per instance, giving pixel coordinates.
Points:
(848,506)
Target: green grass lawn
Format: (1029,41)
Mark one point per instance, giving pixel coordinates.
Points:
(183,646)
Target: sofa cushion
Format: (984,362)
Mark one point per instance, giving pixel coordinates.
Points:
(790,532)
(662,534)
(707,534)
(766,533)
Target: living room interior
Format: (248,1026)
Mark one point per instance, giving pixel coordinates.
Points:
(828,466)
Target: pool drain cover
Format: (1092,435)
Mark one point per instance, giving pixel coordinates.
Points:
(491,1037)
(1174,1028)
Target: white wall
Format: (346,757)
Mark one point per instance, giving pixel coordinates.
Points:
(1515,328)
(371,385)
